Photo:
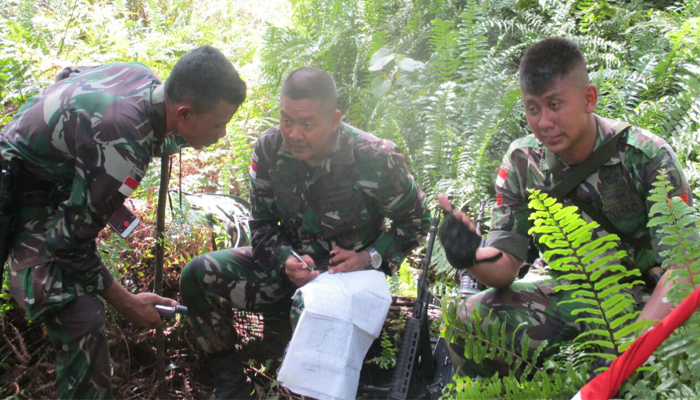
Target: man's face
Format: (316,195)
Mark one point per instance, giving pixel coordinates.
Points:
(307,127)
(205,128)
(559,117)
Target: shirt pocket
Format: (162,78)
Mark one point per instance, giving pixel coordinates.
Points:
(341,209)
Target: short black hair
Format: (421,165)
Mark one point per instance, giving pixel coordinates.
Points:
(202,78)
(311,83)
(548,60)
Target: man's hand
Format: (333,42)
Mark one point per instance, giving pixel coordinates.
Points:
(139,309)
(445,205)
(492,267)
(458,237)
(348,260)
(297,272)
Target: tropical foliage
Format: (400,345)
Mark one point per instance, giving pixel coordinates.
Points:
(672,371)
(587,269)
(439,78)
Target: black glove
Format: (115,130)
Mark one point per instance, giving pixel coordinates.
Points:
(460,242)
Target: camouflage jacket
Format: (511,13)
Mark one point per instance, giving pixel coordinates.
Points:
(619,189)
(85,143)
(342,202)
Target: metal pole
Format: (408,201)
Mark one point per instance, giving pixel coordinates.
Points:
(160,238)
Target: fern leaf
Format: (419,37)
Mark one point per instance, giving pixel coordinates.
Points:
(585,268)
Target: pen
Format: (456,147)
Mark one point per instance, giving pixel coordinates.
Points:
(298,257)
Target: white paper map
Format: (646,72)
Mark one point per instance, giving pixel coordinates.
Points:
(343,314)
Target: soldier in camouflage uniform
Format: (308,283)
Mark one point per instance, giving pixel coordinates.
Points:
(319,187)
(84,144)
(559,103)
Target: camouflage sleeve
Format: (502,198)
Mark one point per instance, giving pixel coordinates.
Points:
(400,200)
(509,219)
(105,175)
(270,250)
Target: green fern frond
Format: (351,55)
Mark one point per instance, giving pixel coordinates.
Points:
(494,342)
(589,270)
(676,223)
(438,150)
(559,379)
(683,114)
(444,43)
(472,43)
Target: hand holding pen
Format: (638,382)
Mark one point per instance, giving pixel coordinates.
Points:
(301,260)
(300,269)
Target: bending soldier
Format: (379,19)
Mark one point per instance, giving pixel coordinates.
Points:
(319,187)
(84,144)
(559,106)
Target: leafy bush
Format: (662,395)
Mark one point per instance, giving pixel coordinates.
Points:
(588,269)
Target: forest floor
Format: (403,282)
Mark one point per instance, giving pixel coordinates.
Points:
(27,369)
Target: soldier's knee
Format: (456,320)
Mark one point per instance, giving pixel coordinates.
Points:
(192,274)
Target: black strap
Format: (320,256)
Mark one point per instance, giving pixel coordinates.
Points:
(565,188)
(589,165)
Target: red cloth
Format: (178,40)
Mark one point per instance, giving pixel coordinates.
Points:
(608,383)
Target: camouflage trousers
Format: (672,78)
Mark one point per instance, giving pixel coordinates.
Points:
(214,284)
(531,300)
(76,329)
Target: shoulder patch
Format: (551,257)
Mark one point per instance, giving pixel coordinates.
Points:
(502,176)
(128,186)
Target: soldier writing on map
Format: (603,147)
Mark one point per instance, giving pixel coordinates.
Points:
(321,188)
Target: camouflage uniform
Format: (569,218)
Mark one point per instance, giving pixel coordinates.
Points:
(618,189)
(84,143)
(342,202)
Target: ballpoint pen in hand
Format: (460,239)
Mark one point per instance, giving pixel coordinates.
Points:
(298,257)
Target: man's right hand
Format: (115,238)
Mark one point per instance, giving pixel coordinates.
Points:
(139,309)
(297,272)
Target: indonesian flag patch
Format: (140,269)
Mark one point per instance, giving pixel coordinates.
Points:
(502,175)
(128,186)
(254,166)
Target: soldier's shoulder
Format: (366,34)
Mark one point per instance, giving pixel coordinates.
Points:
(270,140)
(369,148)
(644,141)
(526,145)
(124,71)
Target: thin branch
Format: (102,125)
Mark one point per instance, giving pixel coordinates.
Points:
(65,32)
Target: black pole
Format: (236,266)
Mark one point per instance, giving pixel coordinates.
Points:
(158,289)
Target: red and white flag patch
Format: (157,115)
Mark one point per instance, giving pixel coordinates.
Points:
(254,166)
(128,186)
(502,175)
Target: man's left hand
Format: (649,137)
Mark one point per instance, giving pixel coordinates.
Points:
(348,260)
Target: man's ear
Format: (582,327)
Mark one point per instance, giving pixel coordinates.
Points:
(590,96)
(183,112)
(336,120)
